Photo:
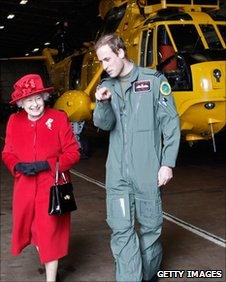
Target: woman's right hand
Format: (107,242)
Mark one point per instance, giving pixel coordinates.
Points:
(25,168)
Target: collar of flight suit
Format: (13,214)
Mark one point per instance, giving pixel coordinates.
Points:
(116,82)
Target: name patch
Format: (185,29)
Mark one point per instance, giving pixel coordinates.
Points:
(142,86)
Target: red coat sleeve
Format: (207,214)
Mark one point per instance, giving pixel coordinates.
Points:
(69,147)
(8,154)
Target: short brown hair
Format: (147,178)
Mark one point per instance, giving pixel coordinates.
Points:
(113,41)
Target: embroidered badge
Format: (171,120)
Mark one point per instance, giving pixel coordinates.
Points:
(142,86)
(165,88)
(49,123)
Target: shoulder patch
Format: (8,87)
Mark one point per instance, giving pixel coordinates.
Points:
(157,74)
(165,88)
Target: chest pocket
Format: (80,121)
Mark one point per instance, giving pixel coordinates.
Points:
(144,118)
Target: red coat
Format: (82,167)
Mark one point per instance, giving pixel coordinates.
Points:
(28,141)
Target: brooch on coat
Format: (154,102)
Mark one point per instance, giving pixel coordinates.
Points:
(49,123)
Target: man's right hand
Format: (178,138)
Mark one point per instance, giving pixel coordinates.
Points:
(102,94)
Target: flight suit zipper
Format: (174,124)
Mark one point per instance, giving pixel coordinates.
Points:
(123,115)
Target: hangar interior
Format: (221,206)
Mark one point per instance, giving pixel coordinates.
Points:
(194,234)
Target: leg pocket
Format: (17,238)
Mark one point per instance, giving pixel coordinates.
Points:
(118,211)
(149,212)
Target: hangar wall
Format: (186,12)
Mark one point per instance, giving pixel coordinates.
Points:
(10,71)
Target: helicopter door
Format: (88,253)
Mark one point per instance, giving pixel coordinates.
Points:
(146,53)
(172,63)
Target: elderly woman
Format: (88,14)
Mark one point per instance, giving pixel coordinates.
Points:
(36,138)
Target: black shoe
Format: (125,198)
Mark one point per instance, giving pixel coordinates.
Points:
(58,277)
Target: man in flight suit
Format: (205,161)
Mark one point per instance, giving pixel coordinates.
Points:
(135,104)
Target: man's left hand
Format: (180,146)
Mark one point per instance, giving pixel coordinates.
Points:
(165,174)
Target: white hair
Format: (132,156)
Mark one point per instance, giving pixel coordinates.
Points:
(45,96)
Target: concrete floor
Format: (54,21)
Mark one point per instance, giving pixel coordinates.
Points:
(193,202)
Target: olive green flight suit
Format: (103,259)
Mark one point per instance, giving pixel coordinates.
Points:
(144,135)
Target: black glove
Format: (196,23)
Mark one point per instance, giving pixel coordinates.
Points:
(40,166)
(32,168)
(25,168)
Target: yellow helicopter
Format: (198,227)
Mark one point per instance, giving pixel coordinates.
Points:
(180,38)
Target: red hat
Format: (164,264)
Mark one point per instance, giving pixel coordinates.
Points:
(28,85)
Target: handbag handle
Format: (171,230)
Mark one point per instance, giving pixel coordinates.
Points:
(57,173)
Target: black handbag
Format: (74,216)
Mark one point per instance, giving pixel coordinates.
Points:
(61,198)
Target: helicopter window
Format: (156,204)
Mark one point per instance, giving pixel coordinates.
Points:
(152,2)
(172,64)
(169,15)
(222,29)
(149,49)
(211,36)
(75,72)
(179,2)
(166,52)
(205,2)
(143,47)
(146,57)
(186,37)
(112,20)
(218,17)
